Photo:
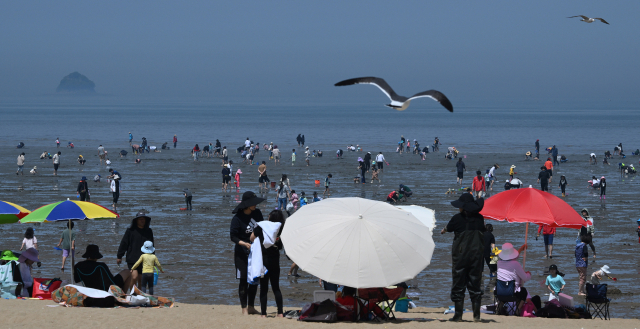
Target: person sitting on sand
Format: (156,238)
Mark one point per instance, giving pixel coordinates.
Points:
(600,274)
(26,260)
(96,275)
(81,160)
(34,171)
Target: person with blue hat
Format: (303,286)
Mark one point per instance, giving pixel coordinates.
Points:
(83,189)
(148,260)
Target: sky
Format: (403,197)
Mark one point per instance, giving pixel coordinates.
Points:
(299,49)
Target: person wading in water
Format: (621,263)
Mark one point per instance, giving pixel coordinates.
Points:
(466,253)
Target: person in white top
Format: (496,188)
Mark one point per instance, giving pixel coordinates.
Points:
(380,161)
(56,163)
(29,240)
(247,143)
(492,176)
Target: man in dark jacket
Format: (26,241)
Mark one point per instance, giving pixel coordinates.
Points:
(537,148)
(543,179)
(467,253)
(132,242)
(554,154)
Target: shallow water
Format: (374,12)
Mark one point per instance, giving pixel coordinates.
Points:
(195,247)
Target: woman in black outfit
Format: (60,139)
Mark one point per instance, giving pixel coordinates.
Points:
(242,225)
(132,242)
(271,260)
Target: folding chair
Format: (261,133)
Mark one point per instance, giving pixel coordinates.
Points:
(504,295)
(372,296)
(597,299)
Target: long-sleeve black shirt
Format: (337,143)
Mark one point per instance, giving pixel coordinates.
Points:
(242,226)
(83,186)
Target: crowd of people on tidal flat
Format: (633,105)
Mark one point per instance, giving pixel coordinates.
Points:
(471,233)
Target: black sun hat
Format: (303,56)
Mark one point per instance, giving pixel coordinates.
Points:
(93,252)
(248,199)
(467,203)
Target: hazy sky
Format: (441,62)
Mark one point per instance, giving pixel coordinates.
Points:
(285,49)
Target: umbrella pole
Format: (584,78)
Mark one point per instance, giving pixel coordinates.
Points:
(524,256)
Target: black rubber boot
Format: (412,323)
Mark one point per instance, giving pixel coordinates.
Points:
(457,317)
(475,305)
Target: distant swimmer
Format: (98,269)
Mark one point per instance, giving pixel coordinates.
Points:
(589,19)
(399,103)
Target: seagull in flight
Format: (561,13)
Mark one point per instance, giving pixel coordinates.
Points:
(398,102)
(589,19)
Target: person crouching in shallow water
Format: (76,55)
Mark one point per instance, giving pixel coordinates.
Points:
(467,253)
(242,225)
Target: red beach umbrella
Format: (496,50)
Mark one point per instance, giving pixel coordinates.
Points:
(529,205)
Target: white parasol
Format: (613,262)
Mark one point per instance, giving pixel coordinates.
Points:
(357,242)
(425,215)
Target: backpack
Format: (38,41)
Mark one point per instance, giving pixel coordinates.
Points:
(324,311)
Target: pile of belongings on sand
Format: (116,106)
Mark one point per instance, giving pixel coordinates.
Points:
(78,296)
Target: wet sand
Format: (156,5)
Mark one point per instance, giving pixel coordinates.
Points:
(20,314)
(197,254)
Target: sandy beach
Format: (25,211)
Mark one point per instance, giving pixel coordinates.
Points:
(20,314)
(197,254)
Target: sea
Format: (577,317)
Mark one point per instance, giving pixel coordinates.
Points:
(483,126)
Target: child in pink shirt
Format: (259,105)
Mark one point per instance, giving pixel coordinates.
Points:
(237,177)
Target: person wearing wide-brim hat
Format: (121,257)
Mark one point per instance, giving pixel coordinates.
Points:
(509,269)
(245,220)
(132,240)
(467,253)
(97,275)
(26,259)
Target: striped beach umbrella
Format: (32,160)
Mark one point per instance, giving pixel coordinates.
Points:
(68,210)
(11,213)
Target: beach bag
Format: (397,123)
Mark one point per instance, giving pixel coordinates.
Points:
(155,276)
(527,310)
(9,287)
(42,288)
(289,206)
(324,311)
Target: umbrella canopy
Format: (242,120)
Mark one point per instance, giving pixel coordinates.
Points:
(11,213)
(68,210)
(357,242)
(425,215)
(529,205)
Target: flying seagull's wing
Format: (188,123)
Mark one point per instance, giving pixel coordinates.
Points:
(583,16)
(437,96)
(378,82)
(602,20)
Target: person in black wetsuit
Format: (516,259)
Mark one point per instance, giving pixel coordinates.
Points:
(467,253)
(543,179)
(271,260)
(367,161)
(242,225)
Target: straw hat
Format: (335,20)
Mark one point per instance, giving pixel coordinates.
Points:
(508,252)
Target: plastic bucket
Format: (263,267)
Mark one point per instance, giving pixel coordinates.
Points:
(317,182)
(273,184)
(155,276)
(402,305)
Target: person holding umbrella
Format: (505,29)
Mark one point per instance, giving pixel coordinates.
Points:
(243,223)
(132,242)
(467,253)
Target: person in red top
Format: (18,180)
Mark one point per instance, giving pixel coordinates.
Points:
(549,165)
(175,140)
(478,186)
(548,233)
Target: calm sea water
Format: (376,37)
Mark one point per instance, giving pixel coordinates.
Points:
(484,126)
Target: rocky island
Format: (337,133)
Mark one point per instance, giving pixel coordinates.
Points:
(76,83)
